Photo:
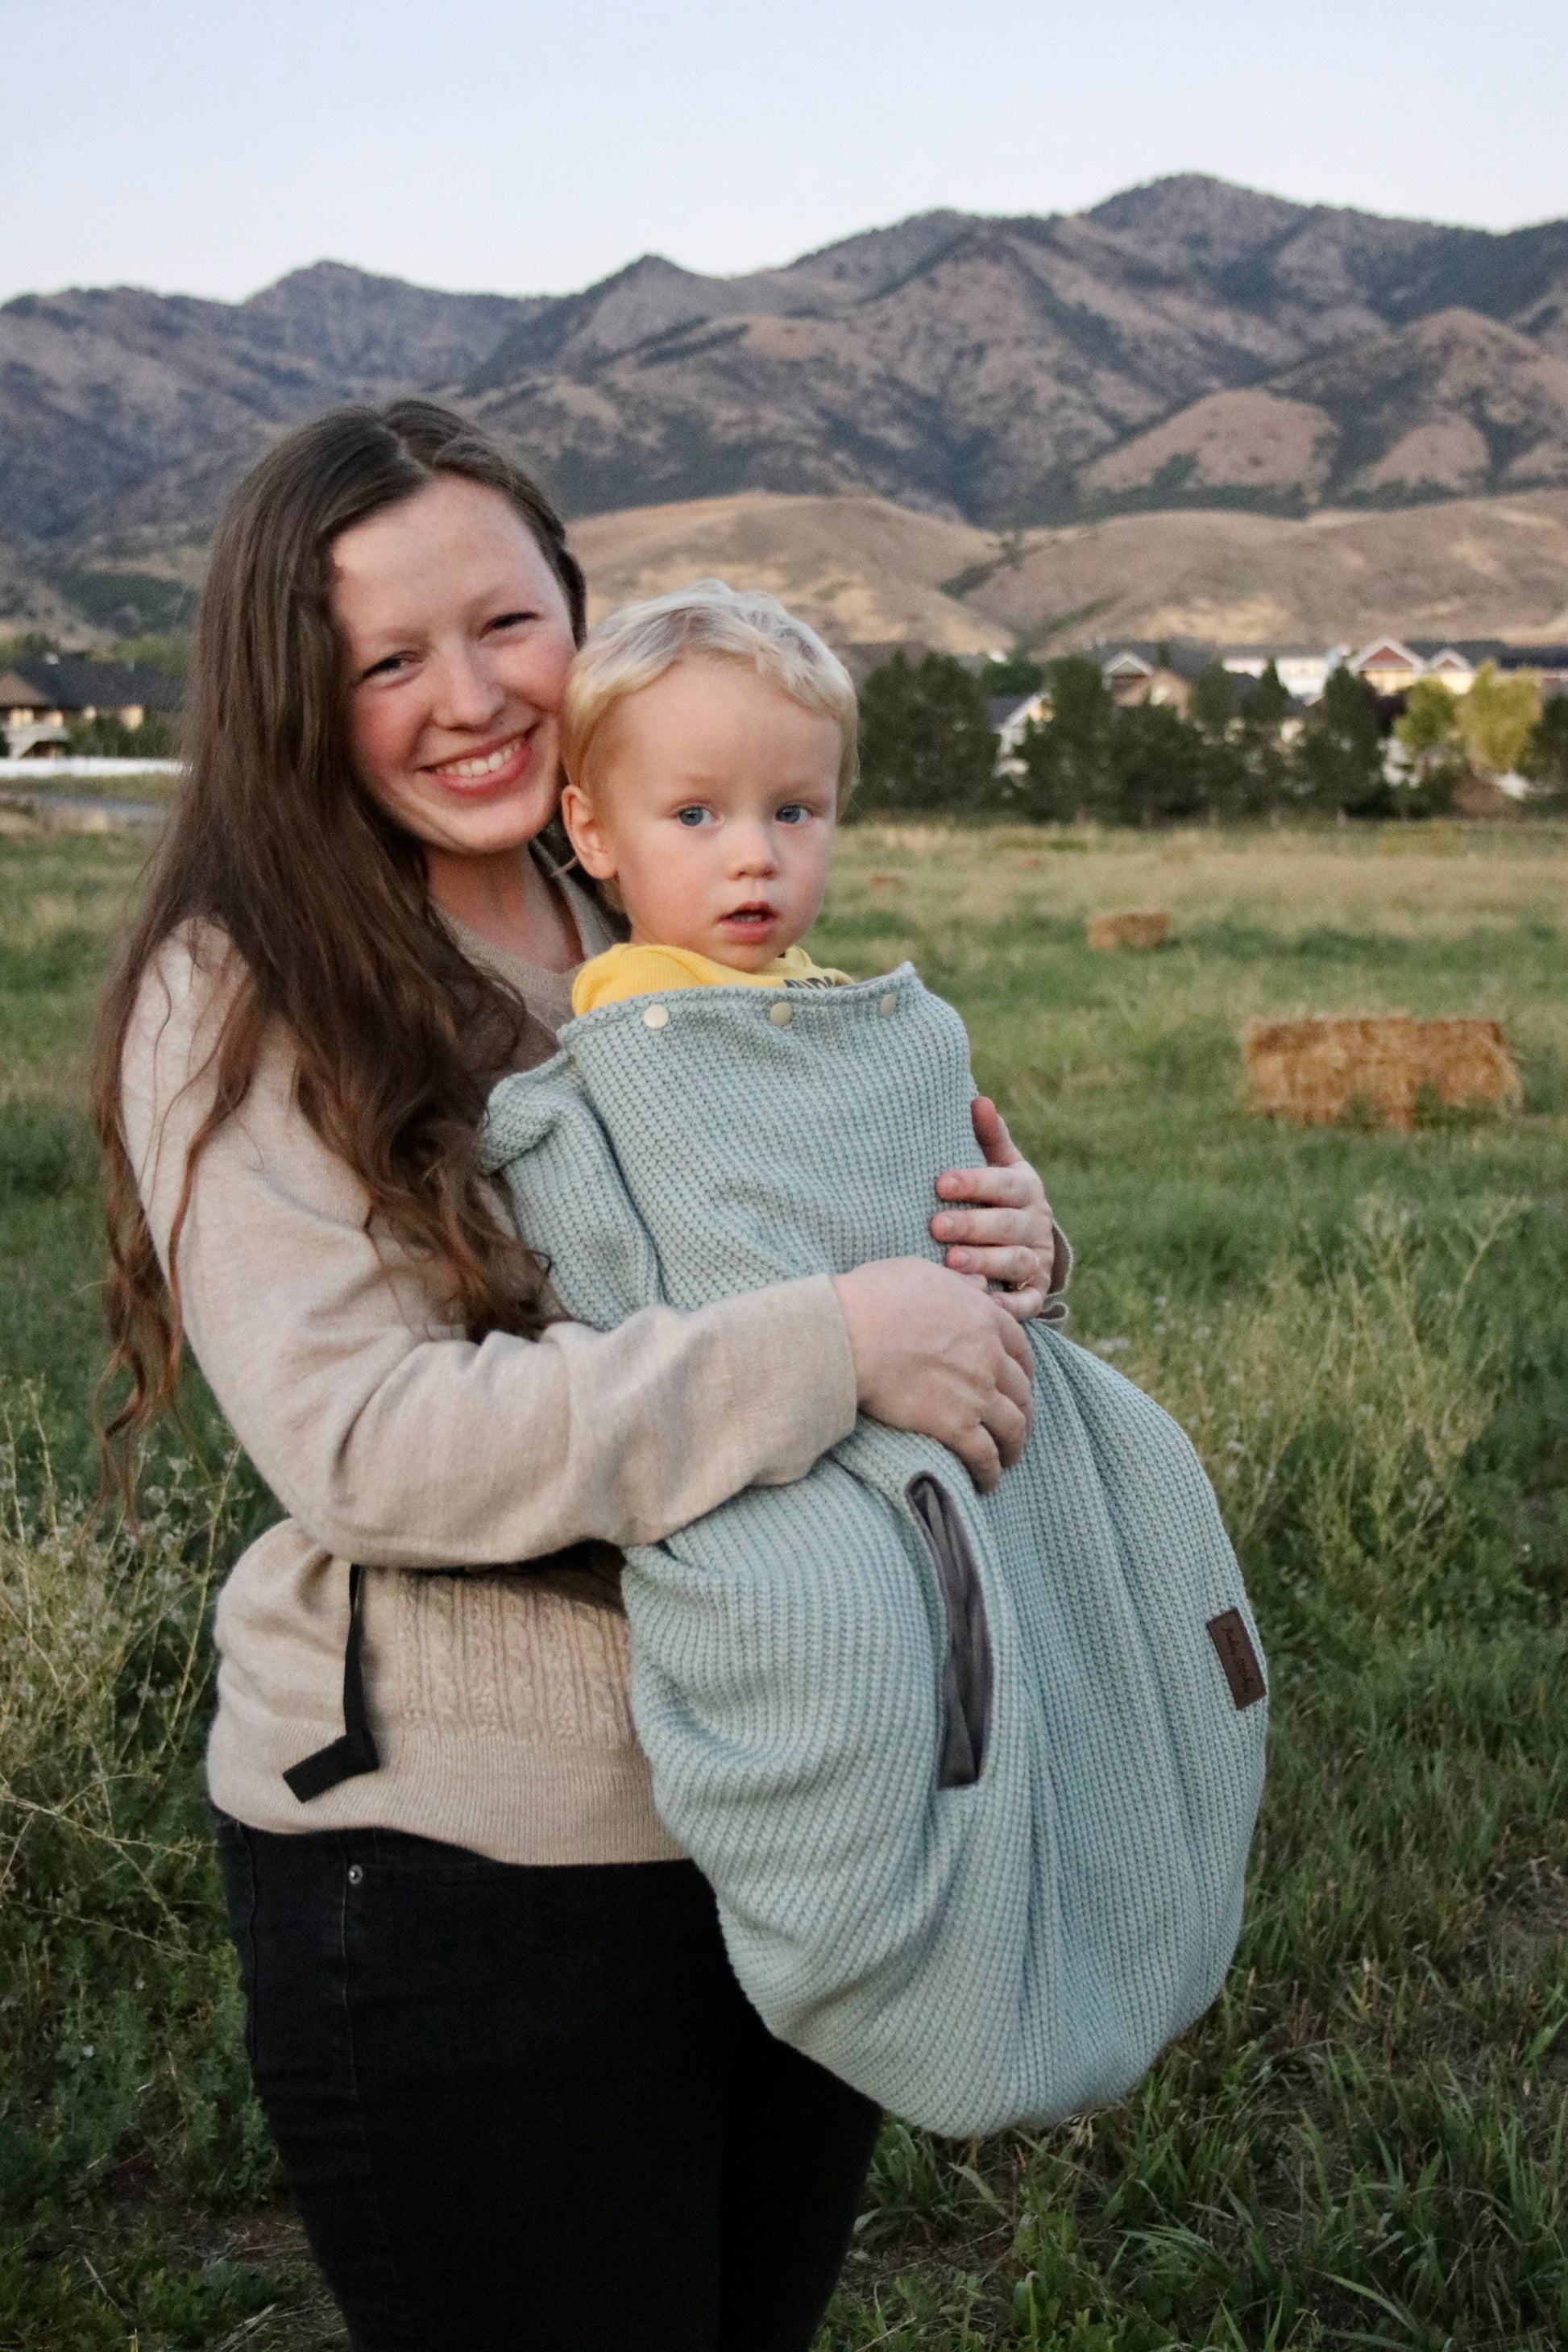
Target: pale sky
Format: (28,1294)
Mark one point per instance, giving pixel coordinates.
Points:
(207,146)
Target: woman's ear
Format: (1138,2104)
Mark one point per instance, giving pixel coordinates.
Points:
(587,833)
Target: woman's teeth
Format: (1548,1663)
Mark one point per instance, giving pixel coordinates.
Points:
(466,769)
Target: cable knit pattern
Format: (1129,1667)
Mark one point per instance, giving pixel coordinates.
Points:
(523,1660)
(973,1778)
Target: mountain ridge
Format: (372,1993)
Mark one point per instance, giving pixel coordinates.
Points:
(1184,343)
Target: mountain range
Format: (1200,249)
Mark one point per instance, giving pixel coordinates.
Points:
(1186,345)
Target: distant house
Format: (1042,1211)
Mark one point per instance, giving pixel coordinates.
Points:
(1009,716)
(1302,671)
(43,696)
(1387,665)
(1133,678)
(1450,668)
(35,728)
(1451,660)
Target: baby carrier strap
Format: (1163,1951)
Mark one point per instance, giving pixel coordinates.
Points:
(355,1752)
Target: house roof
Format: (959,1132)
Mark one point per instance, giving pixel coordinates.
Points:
(1385,653)
(74,682)
(19,693)
(1004,707)
(1184,658)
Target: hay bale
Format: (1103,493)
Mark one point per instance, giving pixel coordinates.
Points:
(1312,1068)
(1132,929)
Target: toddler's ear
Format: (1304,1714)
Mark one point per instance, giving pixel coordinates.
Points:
(586,834)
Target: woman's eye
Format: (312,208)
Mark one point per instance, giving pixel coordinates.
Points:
(511,620)
(387,667)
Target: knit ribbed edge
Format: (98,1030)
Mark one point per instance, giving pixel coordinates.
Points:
(528,1802)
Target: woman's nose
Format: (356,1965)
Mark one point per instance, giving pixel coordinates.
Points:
(467,692)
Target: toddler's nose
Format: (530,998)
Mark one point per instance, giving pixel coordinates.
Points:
(751,850)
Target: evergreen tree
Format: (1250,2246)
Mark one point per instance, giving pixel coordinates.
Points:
(925,740)
(1264,780)
(1017,675)
(1067,763)
(1213,708)
(1212,702)
(1339,760)
(1546,755)
(1161,768)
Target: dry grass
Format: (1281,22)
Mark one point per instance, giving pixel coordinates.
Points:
(1314,1068)
(1395,881)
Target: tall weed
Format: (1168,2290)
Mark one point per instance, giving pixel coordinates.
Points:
(119,2033)
(1333,1411)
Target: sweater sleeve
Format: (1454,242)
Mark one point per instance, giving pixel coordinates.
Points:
(392,1440)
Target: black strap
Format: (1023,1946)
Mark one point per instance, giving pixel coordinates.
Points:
(355,1752)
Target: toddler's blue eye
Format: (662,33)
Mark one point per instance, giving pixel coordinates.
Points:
(689,816)
(794,813)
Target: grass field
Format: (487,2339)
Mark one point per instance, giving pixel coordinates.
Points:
(1367,1335)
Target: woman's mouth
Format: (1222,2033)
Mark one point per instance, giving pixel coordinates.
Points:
(495,769)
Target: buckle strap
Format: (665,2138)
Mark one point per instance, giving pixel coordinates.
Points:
(355,1752)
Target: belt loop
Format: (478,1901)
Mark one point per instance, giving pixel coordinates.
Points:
(355,1752)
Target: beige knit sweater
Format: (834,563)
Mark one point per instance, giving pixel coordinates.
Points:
(498,1699)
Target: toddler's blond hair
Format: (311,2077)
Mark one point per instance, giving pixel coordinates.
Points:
(638,644)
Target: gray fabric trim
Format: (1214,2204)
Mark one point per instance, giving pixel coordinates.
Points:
(966,1666)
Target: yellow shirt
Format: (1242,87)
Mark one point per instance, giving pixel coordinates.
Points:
(622,971)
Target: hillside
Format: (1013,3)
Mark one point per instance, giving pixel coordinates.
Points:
(1453,404)
(1185,345)
(865,571)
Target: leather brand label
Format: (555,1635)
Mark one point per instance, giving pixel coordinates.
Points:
(1233,1646)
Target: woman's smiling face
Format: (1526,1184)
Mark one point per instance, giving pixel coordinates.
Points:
(459,639)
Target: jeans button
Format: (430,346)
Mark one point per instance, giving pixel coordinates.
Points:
(356,1874)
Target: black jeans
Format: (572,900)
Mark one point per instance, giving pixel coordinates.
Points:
(531,2109)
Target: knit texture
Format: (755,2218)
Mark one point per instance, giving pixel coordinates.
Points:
(806,1662)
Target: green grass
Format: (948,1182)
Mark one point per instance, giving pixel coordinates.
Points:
(1367,1335)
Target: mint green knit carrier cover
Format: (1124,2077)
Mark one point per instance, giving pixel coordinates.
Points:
(974,1956)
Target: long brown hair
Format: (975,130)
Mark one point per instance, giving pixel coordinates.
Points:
(324,900)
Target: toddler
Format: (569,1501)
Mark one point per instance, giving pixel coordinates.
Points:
(971,1775)
(709,739)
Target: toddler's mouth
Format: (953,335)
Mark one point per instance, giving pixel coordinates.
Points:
(756,916)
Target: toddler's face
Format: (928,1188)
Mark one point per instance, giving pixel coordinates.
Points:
(713,808)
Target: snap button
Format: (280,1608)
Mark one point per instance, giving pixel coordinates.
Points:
(656,1017)
(781,1014)
(356,1875)
(887,1006)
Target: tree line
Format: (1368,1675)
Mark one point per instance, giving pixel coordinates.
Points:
(1241,749)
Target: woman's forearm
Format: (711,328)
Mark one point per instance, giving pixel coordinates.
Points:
(397,1443)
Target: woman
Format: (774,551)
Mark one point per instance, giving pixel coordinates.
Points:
(516,2090)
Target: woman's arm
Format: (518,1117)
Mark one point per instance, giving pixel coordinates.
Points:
(391,1439)
(398,1443)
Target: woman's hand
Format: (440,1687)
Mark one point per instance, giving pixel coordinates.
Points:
(939,1355)
(1006,1232)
